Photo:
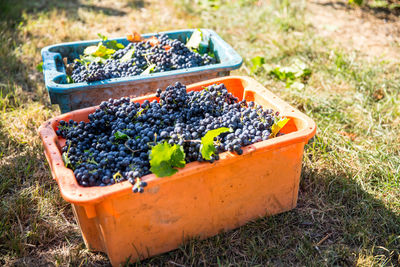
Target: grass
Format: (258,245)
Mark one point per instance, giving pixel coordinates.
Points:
(349,201)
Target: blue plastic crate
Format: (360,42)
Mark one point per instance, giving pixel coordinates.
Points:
(79,95)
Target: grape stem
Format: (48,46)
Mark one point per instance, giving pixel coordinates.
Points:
(133,151)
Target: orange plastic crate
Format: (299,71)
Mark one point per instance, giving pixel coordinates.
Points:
(200,200)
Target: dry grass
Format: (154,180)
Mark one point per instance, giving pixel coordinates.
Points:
(349,201)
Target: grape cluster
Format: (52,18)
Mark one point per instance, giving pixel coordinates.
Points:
(115,144)
(168,54)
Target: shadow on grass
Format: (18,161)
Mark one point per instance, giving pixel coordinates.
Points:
(12,10)
(16,87)
(336,223)
(387,10)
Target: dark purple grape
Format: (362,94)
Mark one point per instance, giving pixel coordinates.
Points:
(114,145)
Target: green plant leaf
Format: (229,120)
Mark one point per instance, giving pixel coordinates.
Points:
(297,85)
(297,71)
(102,37)
(162,169)
(121,136)
(149,69)
(165,158)
(358,2)
(277,126)
(211,54)
(207,148)
(103,51)
(128,55)
(195,40)
(39,67)
(113,44)
(90,50)
(99,51)
(300,69)
(178,156)
(95,56)
(257,63)
(85,60)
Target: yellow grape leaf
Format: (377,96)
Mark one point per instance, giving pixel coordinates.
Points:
(90,50)
(277,126)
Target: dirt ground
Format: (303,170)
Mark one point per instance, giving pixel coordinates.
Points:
(374,32)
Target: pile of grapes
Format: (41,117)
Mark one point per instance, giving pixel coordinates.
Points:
(157,54)
(124,140)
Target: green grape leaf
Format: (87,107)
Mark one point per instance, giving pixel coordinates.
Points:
(165,158)
(149,69)
(178,156)
(194,42)
(102,37)
(127,56)
(121,136)
(89,59)
(277,126)
(90,50)
(112,44)
(207,147)
(162,169)
(99,51)
(103,51)
(211,54)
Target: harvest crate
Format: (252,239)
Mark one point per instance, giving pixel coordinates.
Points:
(79,95)
(200,200)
